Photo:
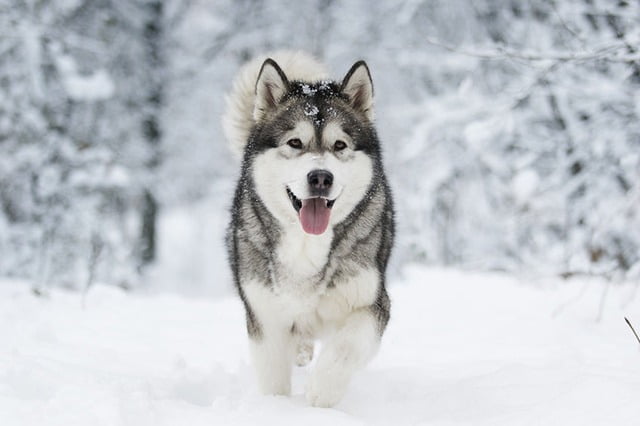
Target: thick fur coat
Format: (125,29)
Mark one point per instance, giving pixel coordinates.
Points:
(312,221)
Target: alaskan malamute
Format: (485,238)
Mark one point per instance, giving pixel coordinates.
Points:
(312,221)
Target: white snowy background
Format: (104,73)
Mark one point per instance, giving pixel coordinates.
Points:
(511,137)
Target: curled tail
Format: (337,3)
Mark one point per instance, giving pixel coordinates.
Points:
(238,118)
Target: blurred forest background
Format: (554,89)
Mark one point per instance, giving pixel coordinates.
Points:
(511,131)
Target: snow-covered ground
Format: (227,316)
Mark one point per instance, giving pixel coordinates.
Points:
(461,348)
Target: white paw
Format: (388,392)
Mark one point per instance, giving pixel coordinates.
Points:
(325,391)
(304,353)
(278,389)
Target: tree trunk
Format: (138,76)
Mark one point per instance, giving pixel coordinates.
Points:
(153,35)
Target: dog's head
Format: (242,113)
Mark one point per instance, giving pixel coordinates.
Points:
(313,150)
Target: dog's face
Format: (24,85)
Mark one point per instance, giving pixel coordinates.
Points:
(312,152)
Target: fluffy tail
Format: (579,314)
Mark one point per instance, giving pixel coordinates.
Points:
(237,120)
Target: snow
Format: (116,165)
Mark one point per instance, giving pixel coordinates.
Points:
(514,156)
(461,348)
(92,87)
(524,185)
(526,166)
(191,247)
(95,87)
(310,110)
(308,90)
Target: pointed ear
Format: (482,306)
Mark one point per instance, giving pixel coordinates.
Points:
(271,86)
(358,87)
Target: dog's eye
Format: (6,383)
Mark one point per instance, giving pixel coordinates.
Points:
(295,143)
(339,146)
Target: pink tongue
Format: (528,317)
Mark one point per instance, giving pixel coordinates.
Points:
(314,215)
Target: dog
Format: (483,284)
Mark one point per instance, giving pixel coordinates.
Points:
(312,221)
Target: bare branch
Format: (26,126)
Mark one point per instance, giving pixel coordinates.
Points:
(632,329)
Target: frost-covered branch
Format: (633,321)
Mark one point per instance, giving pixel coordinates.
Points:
(566,25)
(608,52)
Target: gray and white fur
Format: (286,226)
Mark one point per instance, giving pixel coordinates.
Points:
(312,221)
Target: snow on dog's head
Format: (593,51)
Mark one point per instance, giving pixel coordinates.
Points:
(313,148)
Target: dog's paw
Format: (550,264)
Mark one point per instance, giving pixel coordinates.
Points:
(304,353)
(325,391)
(278,389)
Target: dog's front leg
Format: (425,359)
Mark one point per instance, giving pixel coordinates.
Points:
(349,349)
(271,354)
(271,342)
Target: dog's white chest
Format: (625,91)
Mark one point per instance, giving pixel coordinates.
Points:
(302,256)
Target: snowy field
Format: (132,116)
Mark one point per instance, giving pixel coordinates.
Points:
(510,136)
(460,349)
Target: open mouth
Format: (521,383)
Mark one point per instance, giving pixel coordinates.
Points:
(314,213)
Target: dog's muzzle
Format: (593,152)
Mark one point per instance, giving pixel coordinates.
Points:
(315,212)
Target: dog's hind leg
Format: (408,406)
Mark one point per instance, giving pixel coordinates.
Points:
(304,351)
(349,349)
(303,344)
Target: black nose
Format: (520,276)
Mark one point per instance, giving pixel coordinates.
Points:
(320,180)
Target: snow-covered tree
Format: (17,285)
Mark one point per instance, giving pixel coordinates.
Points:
(510,128)
(74,157)
(533,161)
